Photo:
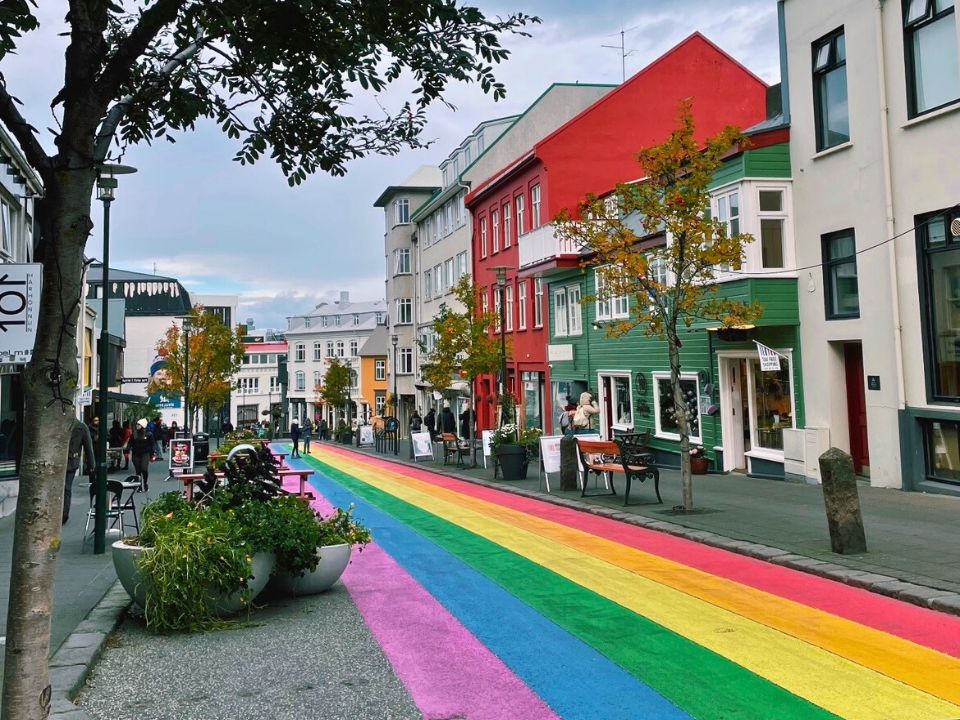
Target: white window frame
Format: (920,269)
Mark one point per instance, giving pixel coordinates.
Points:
(340,349)
(660,432)
(522,304)
(461,265)
(508,294)
(616,424)
(274,384)
(300,378)
(538,302)
(404,311)
(380,402)
(300,352)
(496,308)
(379,369)
(507,242)
(329,348)
(519,203)
(448,271)
(495,225)
(402,208)
(354,348)
(612,308)
(405,361)
(560,328)
(575,300)
(437,280)
(317,378)
(483,237)
(535,221)
(401,264)
(323,321)
(356,319)
(427,284)
(317,351)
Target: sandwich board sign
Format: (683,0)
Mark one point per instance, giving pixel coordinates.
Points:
(181,456)
(422,445)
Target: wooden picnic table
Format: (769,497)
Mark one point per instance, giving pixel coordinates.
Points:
(188,479)
(302,475)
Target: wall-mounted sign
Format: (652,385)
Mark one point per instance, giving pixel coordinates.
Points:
(559,353)
(85,397)
(134,380)
(19,310)
(873,382)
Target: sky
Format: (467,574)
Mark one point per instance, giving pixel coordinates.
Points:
(194,214)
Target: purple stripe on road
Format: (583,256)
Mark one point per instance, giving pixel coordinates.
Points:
(447,670)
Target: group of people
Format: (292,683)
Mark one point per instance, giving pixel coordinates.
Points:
(446,423)
(305,432)
(577,418)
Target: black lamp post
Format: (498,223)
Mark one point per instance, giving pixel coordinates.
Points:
(501,271)
(396,400)
(187,326)
(106,192)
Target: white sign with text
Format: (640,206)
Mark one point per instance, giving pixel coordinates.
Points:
(19,310)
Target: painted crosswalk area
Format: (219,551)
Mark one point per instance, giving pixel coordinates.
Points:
(494,606)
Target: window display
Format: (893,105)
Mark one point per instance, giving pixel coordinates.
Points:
(667,411)
(772,404)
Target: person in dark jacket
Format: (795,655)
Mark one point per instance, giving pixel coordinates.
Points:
(448,423)
(322,429)
(295,436)
(115,442)
(79,452)
(141,447)
(467,422)
(416,422)
(430,422)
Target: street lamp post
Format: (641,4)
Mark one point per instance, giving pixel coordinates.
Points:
(187,325)
(396,401)
(501,271)
(106,192)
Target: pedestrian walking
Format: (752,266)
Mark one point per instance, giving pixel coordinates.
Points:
(227,427)
(79,452)
(430,422)
(142,446)
(307,431)
(448,423)
(583,417)
(295,436)
(467,422)
(323,429)
(94,428)
(115,443)
(127,437)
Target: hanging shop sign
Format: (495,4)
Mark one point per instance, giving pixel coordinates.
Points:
(19,310)
(769,358)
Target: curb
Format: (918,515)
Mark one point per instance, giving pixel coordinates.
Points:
(944,601)
(71,664)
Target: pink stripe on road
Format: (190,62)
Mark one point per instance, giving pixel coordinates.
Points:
(447,670)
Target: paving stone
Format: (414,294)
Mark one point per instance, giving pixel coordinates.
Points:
(922,595)
(82,639)
(763,552)
(788,559)
(947,604)
(75,656)
(65,680)
(868,579)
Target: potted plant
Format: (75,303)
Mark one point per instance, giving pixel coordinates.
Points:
(332,540)
(698,460)
(511,454)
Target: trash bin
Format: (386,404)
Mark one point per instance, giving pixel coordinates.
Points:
(201,447)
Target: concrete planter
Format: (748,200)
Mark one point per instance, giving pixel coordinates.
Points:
(262,565)
(333,561)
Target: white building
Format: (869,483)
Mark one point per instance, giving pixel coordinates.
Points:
(398,203)
(331,330)
(874,95)
(256,386)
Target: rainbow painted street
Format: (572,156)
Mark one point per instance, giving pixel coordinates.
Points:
(493,606)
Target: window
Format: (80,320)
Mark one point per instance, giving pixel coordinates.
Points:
(772,222)
(306,322)
(840,275)
(657,270)
(485,301)
(508,291)
(404,311)
(448,218)
(518,202)
(247,415)
(461,265)
(726,209)
(353,348)
(437,281)
(831,108)
(522,304)
(665,412)
(560,328)
(483,237)
(495,224)
(356,319)
(448,275)
(339,348)
(506,225)
(566,311)
(616,391)
(402,206)
(462,209)
(534,207)
(317,351)
(480,144)
(610,308)
(437,221)
(6,229)
(940,262)
(379,369)
(405,361)
(427,284)
(317,379)
(301,380)
(323,321)
(274,384)
(379,318)
(336,320)
(930,42)
(772,405)
(538,302)
(496,307)
(300,352)
(249,385)
(380,403)
(329,349)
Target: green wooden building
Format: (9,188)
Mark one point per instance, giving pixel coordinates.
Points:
(742,416)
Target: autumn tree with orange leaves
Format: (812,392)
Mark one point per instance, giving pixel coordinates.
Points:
(216,354)
(672,201)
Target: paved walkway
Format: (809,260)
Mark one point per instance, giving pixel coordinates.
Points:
(492,606)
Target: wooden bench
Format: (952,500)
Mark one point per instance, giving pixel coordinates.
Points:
(610,458)
(454,447)
(188,479)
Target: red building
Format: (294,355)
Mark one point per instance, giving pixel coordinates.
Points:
(512,211)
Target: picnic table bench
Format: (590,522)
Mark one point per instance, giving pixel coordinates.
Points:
(610,458)
(188,479)
(303,494)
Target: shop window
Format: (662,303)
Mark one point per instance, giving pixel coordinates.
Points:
(665,410)
(942,441)
(940,259)
(616,390)
(772,404)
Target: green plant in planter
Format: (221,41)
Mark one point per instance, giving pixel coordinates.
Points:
(286,527)
(341,529)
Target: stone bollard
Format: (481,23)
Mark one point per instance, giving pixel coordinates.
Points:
(843,503)
(568,463)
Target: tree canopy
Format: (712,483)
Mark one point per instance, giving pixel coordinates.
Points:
(335,390)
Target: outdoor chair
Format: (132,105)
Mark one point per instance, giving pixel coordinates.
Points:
(453,447)
(120,502)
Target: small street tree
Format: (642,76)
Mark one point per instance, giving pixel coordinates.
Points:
(216,354)
(279,77)
(335,390)
(673,201)
(464,346)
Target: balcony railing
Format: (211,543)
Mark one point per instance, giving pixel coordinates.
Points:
(543,244)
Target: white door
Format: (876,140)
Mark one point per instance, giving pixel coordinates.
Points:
(734,393)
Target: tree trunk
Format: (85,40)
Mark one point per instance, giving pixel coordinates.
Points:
(50,383)
(683,427)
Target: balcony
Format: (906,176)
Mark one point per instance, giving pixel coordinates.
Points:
(543,246)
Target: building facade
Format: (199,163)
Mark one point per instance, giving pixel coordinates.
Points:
(589,153)
(374,376)
(330,331)
(257,394)
(398,203)
(874,90)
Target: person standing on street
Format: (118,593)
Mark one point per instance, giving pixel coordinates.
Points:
(142,447)
(126,438)
(80,444)
(467,422)
(322,429)
(94,428)
(307,431)
(295,436)
(430,421)
(448,423)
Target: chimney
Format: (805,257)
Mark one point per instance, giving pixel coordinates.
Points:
(344,298)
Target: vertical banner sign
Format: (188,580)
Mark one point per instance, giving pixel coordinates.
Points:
(19,310)
(769,359)
(181,456)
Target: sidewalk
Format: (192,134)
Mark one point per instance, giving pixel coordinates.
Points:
(909,535)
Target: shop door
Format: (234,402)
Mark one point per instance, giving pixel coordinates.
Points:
(736,429)
(606,408)
(856,406)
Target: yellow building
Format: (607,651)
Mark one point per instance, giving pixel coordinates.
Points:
(373,373)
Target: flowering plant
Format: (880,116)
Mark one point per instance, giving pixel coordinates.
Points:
(696,451)
(506,434)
